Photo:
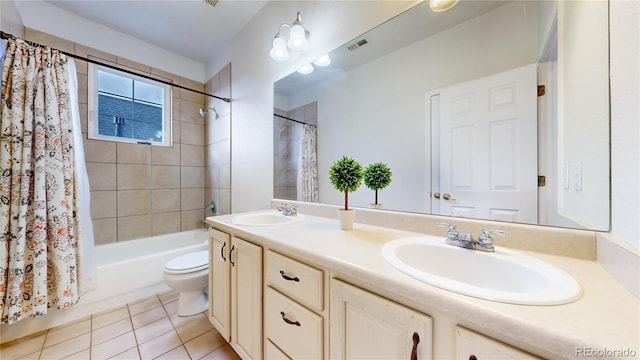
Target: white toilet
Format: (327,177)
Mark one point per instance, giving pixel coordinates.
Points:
(189,276)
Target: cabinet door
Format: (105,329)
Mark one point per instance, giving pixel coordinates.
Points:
(471,345)
(219,283)
(272,352)
(367,326)
(246,298)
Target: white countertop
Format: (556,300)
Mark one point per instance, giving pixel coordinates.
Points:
(606,317)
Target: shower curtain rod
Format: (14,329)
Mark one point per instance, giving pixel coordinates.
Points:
(294,120)
(5,35)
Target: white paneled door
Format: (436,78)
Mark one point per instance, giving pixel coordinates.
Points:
(487,147)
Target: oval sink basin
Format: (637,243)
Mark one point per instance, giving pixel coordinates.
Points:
(503,276)
(266,219)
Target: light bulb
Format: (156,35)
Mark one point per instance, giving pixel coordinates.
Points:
(297,38)
(323,60)
(441,5)
(279,50)
(305,69)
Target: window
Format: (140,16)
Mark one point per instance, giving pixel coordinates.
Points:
(128,108)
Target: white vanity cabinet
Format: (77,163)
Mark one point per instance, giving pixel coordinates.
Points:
(367,326)
(235,292)
(294,309)
(473,346)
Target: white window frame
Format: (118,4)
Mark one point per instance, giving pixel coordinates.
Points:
(92,104)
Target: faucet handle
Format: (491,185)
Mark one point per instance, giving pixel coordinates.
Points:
(288,209)
(485,237)
(452,227)
(486,232)
(452,233)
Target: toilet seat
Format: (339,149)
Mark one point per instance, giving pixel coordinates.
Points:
(188,263)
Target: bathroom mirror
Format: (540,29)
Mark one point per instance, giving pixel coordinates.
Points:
(451,102)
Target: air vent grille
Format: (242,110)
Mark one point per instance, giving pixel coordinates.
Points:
(358,44)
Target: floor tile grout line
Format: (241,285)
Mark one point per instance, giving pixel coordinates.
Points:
(170,350)
(48,331)
(124,351)
(44,341)
(174,329)
(133,330)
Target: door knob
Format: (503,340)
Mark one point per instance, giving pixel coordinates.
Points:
(448,196)
(436,195)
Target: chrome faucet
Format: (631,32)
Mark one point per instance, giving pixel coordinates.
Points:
(288,210)
(465,240)
(455,238)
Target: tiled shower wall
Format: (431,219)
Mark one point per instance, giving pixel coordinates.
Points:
(287,136)
(217,179)
(142,190)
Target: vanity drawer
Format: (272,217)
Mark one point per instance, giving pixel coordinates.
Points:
(295,279)
(470,344)
(294,329)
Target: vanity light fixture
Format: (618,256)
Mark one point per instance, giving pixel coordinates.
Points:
(305,69)
(298,39)
(323,60)
(279,50)
(442,5)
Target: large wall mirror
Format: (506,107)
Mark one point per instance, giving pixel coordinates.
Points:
(452,103)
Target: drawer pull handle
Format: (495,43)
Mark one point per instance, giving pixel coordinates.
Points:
(414,350)
(284,317)
(222,252)
(233,247)
(284,276)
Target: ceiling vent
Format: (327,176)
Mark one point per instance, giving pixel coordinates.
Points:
(358,44)
(211,2)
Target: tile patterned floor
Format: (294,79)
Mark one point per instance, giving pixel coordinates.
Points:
(147,329)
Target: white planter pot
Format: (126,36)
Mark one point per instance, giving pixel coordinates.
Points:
(347,218)
(377,206)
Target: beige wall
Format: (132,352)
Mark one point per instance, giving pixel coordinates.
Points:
(142,190)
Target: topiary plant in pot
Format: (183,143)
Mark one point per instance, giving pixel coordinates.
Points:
(377,176)
(346,176)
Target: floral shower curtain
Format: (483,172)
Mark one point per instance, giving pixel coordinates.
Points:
(40,245)
(308,166)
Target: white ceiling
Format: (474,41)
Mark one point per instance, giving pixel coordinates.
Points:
(190,28)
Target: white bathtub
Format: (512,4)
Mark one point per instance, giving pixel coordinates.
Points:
(126,271)
(133,269)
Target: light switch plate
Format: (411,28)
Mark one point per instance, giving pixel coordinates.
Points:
(577,177)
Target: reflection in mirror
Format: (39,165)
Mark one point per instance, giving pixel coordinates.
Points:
(492,110)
